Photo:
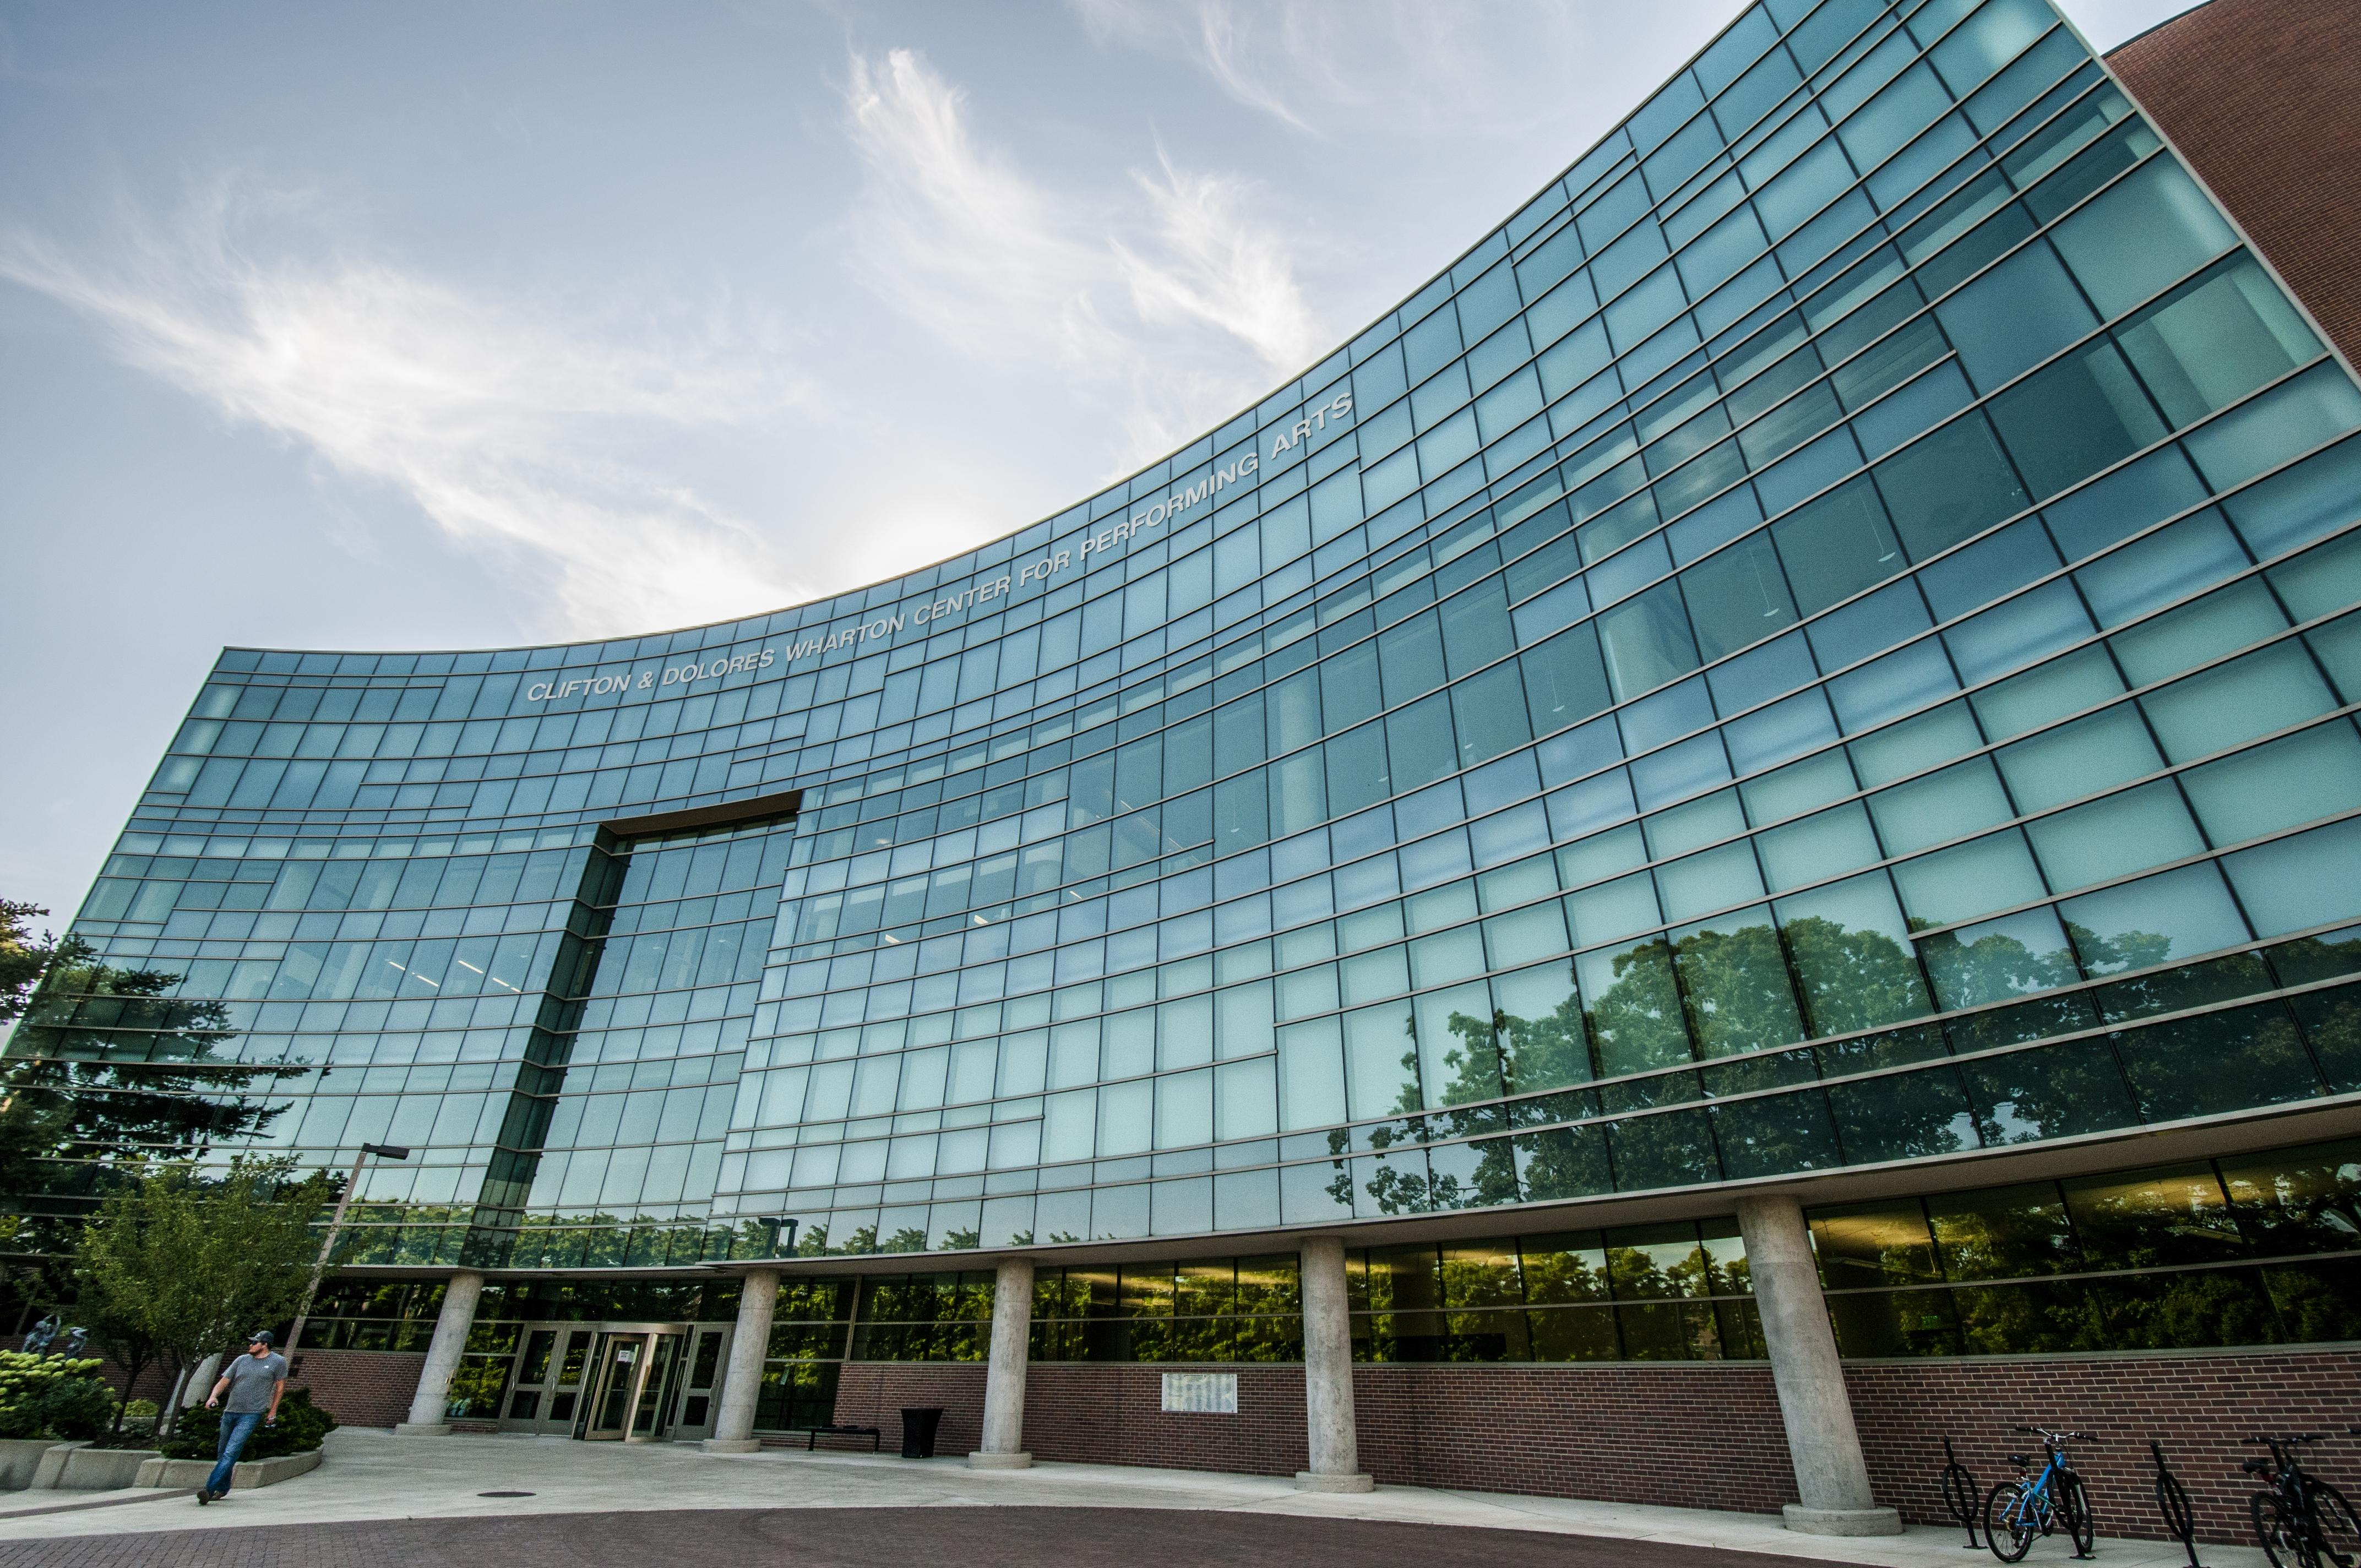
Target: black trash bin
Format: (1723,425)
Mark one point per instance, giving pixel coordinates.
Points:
(918,1428)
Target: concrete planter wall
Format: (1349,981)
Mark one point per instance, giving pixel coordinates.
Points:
(103,1469)
(53,1464)
(20,1460)
(163,1471)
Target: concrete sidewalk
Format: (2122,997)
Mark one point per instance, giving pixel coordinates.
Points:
(371,1474)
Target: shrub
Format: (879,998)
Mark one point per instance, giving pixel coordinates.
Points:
(51,1397)
(139,1410)
(76,1407)
(302,1425)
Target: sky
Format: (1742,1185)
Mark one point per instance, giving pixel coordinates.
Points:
(463,325)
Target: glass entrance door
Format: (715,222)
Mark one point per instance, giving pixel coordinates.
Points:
(547,1385)
(621,1359)
(634,1375)
(699,1380)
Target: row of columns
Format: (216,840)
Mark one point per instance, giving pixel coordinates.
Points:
(1832,1478)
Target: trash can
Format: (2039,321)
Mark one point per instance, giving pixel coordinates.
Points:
(918,1431)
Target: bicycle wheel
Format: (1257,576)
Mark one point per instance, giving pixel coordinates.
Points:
(2280,1533)
(2075,1513)
(2010,1523)
(2339,1539)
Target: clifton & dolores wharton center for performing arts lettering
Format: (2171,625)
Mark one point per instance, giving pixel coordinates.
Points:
(1785,725)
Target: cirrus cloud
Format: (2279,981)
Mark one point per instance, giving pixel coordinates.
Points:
(504,424)
(1144,294)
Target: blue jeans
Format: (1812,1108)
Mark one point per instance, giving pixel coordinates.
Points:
(237,1426)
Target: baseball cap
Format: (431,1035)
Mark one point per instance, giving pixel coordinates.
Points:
(261,1337)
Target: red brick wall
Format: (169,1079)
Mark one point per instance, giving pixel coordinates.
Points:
(1682,1433)
(2260,94)
(2200,1407)
(1081,1411)
(875,1393)
(360,1387)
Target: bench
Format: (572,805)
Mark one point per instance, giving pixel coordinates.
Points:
(813,1435)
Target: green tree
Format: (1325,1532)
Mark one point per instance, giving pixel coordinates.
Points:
(1636,1022)
(117,1328)
(22,959)
(1548,1052)
(106,1066)
(196,1263)
(1736,986)
(29,1124)
(1853,977)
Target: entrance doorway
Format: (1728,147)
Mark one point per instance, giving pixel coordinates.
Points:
(627,1390)
(617,1382)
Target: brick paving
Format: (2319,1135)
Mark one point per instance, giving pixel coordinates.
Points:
(861,1537)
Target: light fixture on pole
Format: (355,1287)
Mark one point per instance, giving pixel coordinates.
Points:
(335,1223)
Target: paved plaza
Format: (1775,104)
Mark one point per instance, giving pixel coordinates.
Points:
(382,1500)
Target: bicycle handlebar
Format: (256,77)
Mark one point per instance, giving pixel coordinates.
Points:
(2045,1432)
(2283,1437)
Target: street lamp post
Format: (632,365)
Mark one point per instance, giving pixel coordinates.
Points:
(335,1223)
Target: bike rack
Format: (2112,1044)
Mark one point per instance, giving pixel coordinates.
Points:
(2172,1498)
(1961,1497)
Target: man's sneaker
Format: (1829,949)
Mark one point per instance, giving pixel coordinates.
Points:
(203,1497)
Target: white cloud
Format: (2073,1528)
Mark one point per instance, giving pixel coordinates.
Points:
(502,426)
(1145,295)
(1336,68)
(1218,267)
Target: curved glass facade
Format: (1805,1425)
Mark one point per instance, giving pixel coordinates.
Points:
(1826,639)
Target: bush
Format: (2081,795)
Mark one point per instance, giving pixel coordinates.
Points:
(302,1425)
(76,1407)
(139,1410)
(51,1397)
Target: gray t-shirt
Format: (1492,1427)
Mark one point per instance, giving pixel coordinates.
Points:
(250,1382)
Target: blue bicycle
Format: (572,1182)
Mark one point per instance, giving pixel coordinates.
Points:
(2016,1511)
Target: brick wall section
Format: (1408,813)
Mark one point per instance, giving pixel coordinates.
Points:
(1085,1411)
(361,1388)
(1695,1434)
(1683,1433)
(2260,96)
(875,1394)
(2200,1408)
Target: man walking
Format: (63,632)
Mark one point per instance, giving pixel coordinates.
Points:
(254,1383)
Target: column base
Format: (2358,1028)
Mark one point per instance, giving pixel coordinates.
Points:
(423,1428)
(1840,1521)
(999,1462)
(731,1446)
(1311,1481)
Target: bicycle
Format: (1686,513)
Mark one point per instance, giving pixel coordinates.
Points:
(2016,1511)
(2301,1522)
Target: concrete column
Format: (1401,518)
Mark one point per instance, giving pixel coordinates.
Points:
(1830,1476)
(430,1410)
(1328,1373)
(201,1381)
(742,1384)
(1004,1383)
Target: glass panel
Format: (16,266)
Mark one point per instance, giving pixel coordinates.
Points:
(2299,1199)
(2212,341)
